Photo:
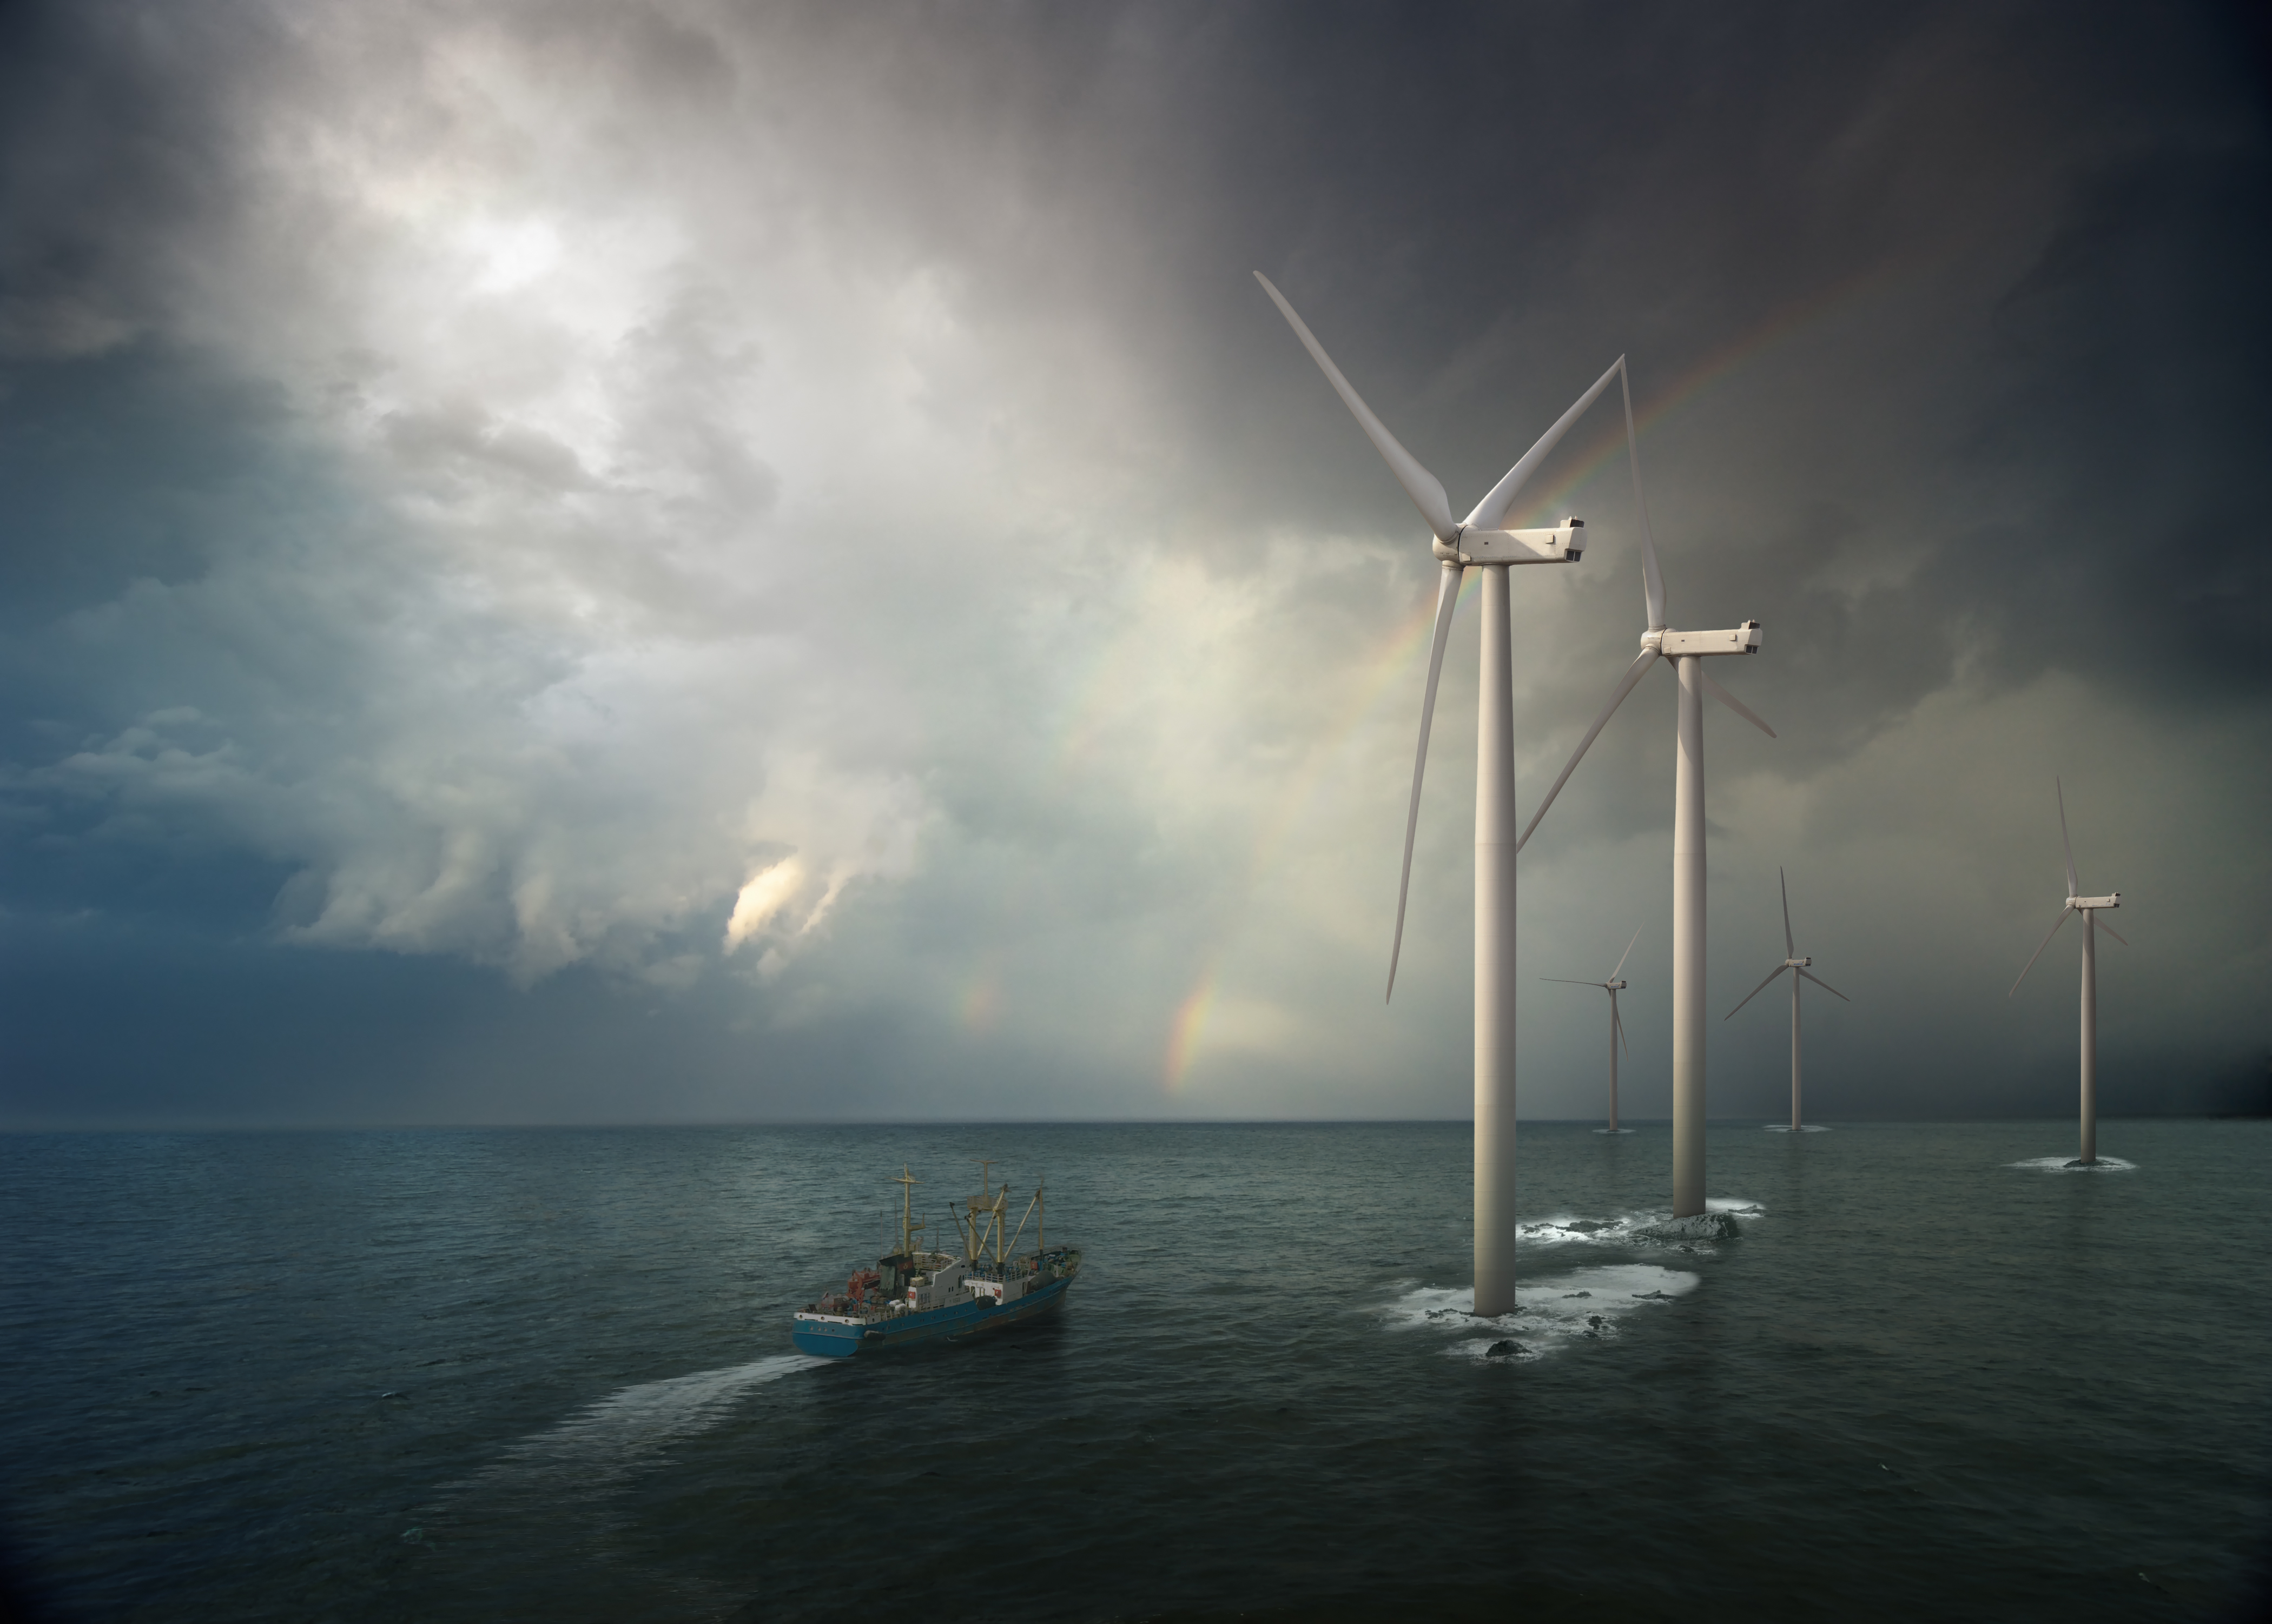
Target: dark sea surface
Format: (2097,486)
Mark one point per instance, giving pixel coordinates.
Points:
(547,1376)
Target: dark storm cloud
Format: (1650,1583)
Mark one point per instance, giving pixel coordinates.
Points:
(527,485)
(2078,206)
(114,148)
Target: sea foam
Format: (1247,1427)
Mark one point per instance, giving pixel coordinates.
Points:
(2065,1163)
(1642,1229)
(1551,1312)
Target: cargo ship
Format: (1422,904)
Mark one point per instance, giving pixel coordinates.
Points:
(914,1294)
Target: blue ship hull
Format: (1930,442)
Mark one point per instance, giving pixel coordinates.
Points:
(839,1338)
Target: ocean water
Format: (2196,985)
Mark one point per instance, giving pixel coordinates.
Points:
(547,1376)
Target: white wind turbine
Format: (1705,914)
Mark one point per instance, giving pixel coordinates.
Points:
(1798,967)
(2089,907)
(1476,541)
(1685,652)
(1613,986)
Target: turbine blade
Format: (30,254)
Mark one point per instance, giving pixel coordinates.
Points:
(1756,991)
(1789,948)
(1634,674)
(1565,982)
(2103,926)
(1730,701)
(1619,1021)
(1447,599)
(2040,946)
(1825,986)
(1491,512)
(1425,489)
(1652,581)
(2065,845)
(1627,953)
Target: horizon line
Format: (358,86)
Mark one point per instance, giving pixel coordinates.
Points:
(1083,1121)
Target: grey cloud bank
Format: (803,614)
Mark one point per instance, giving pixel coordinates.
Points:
(687,561)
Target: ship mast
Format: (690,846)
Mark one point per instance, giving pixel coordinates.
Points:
(988,1202)
(909,1222)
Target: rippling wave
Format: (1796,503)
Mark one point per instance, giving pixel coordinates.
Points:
(464,1376)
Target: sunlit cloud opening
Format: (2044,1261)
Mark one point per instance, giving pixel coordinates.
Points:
(764,896)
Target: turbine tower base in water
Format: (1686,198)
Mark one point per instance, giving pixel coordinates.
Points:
(1495,946)
(2087,1155)
(1688,947)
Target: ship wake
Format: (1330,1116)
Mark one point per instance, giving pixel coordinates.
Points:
(616,1435)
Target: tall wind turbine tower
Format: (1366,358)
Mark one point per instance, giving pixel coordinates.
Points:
(1685,652)
(1476,542)
(2089,908)
(1612,986)
(1798,967)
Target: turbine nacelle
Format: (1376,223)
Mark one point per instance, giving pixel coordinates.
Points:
(1564,544)
(1798,965)
(1744,639)
(2086,907)
(1474,541)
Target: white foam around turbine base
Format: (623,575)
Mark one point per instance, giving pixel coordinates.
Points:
(1550,1313)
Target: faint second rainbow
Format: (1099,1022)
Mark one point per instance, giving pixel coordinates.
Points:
(1401,647)
(1606,443)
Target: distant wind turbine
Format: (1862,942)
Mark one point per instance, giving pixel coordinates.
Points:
(1798,967)
(1686,650)
(1613,986)
(1479,542)
(2089,907)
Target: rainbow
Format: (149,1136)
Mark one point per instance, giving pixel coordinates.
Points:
(1718,367)
(1184,1032)
(1388,658)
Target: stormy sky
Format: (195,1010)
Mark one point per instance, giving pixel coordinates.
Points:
(684,562)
